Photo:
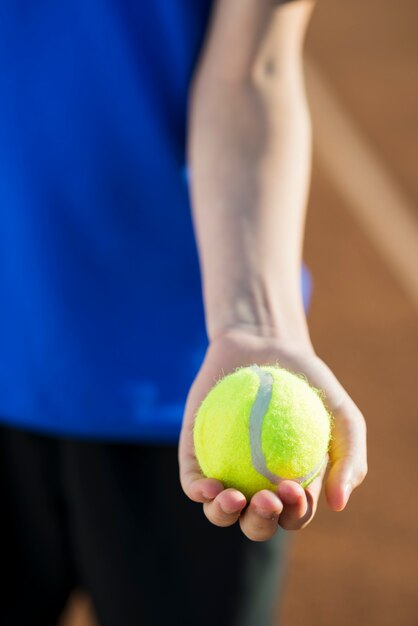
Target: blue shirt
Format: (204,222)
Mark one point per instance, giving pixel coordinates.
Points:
(101,318)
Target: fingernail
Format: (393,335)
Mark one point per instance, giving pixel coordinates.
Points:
(267,514)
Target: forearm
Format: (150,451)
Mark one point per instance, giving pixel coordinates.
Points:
(250,154)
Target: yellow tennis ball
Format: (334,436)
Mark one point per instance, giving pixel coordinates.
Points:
(260,425)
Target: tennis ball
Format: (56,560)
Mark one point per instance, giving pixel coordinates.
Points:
(260,425)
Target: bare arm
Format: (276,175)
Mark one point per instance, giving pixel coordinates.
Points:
(249,151)
(250,145)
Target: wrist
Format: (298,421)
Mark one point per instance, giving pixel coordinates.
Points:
(294,336)
(244,345)
(264,308)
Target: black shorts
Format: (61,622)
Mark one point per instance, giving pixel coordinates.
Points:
(112,519)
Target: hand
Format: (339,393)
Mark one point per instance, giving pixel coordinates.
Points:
(291,506)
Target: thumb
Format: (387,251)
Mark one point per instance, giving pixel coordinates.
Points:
(348,456)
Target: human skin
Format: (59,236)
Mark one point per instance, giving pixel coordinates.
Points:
(249,144)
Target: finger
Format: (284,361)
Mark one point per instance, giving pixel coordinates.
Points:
(295,505)
(313,490)
(259,520)
(344,476)
(225,508)
(294,518)
(194,484)
(348,448)
(348,455)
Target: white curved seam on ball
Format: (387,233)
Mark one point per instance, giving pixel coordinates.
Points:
(257,413)
(316,470)
(256,419)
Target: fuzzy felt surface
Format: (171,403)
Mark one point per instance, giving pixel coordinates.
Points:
(295,434)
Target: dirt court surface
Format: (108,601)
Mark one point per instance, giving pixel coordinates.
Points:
(360,567)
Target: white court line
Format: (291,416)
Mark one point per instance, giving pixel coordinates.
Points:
(373,196)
